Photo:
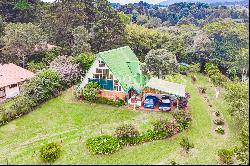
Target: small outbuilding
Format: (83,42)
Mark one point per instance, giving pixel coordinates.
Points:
(11,77)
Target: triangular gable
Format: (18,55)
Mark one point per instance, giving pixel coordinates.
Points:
(125,67)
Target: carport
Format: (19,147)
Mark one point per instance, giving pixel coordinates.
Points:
(158,87)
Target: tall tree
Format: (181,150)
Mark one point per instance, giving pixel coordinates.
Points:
(81,40)
(22,40)
(142,39)
(108,30)
(160,63)
(60,18)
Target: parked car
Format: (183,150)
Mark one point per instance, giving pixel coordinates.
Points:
(151,102)
(166,106)
(165,99)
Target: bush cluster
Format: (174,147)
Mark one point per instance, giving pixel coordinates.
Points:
(102,100)
(104,144)
(220,130)
(126,130)
(90,91)
(215,74)
(44,86)
(186,144)
(23,105)
(50,152)
(182,118)
(226,156)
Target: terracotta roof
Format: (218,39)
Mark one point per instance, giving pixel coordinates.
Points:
(12,74)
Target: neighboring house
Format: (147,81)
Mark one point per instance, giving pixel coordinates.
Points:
(11,77)
(118,72)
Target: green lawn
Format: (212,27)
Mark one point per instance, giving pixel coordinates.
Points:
(70,123)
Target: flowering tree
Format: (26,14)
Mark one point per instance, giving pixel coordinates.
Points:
(69,71)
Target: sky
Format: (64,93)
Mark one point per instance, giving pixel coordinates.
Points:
(124,1)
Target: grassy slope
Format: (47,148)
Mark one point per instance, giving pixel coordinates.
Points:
(70,123)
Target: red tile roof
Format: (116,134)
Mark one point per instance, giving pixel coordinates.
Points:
(12,74)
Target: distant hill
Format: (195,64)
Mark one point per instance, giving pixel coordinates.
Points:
(219,2)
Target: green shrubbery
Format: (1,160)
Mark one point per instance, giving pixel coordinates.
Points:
(102,100)
(183,119)
(23,105)
(44,86)
(226,156)
(215,74)
(50,152)
(90,91)
(186,144)
(126,130)
(103,144)
(220,130)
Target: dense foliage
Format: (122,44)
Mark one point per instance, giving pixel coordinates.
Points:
(50,152)
(91,91)
(226,156)
(186,144)
(69,71)
(42,87)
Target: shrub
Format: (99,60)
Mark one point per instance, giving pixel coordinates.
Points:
(220,130)
(23,105)
(50,152)
(7,116)
(131,140)
(226,156)
(194,68)
(217,113)
(186,144)
(90,91)
(173,162)
(103,144)
(202,90)
(85,61)
(42,87)
(118,102)
(150,135)
(219,121)
(36,66)
(183,119)
(183,101)
(126,130)
(69,71)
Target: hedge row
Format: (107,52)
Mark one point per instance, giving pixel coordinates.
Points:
(128,135)
(44,86)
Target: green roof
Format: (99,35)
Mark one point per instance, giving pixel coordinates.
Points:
(125,67)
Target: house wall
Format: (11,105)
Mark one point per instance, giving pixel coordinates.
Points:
(112,94)
(92,71)
(12,92)
(2,92)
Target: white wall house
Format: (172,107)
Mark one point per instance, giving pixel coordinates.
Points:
(11,77)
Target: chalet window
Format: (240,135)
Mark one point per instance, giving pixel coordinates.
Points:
(117,87)
(102,74)
(101,64)
(13,86)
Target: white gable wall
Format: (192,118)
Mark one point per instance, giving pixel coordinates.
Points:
(92,71)
(12,92)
